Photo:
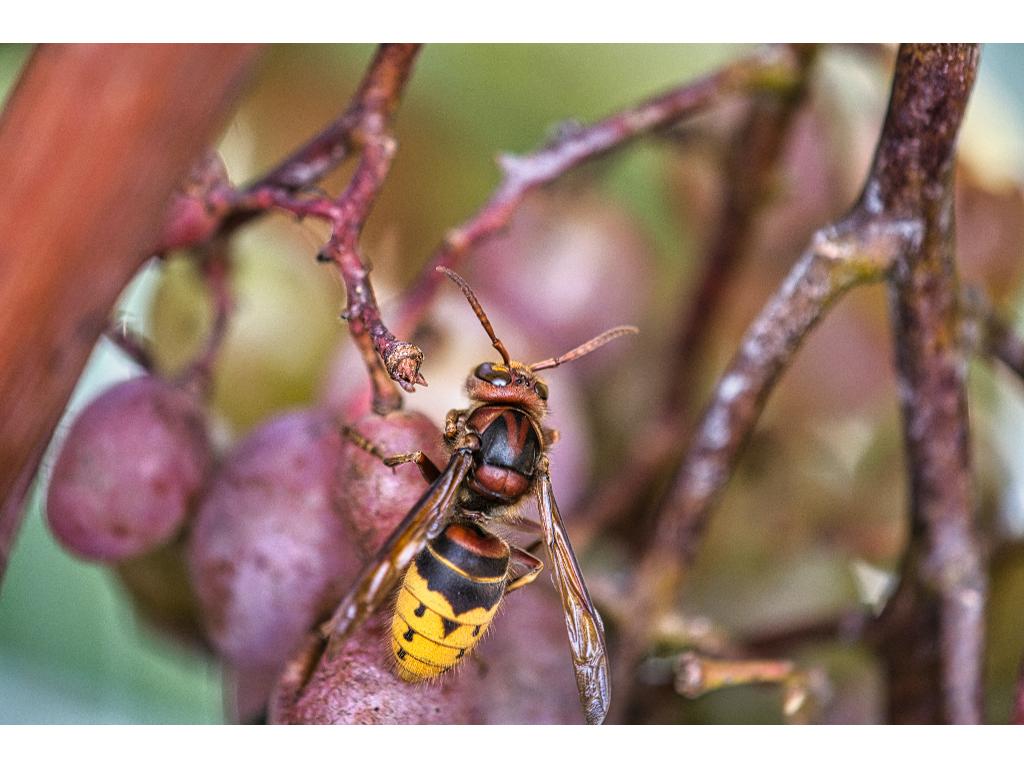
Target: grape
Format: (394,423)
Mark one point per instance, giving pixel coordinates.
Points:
(358,687)
(526,654)
(128,472)
(269,552)
(282,328)
(375,498)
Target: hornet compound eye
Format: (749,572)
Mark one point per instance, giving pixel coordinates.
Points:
(498,375)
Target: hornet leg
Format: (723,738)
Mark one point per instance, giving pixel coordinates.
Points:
(427,468)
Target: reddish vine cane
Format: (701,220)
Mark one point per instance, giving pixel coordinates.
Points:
(366,125)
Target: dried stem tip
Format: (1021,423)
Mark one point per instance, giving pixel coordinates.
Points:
(697,674)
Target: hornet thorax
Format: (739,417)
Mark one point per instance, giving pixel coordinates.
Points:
(504,465)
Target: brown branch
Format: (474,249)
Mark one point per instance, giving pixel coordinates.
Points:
(803,691)
(347,216)
(697,674)
(64,137)
(773,68)
(226,208)
(894,224)
(859,249)
(376,343)
(377,98)
(751,174)
(940,611)
(1005,344)
(368,123)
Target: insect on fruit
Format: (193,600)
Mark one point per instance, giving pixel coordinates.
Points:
(453,571)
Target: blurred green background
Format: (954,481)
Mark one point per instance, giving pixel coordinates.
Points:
(72,649)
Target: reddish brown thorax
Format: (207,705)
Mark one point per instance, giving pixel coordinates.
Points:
(510,444)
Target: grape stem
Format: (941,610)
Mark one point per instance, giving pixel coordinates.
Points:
(771,69)
(216,269)
(365,126)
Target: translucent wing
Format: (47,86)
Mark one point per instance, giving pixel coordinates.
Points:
(586,631)
(381,574)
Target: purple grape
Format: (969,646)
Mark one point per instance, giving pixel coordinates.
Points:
(375,498)
(129,471)
(269,552)
(359,688)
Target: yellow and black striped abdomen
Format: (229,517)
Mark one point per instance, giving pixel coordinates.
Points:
(448,597)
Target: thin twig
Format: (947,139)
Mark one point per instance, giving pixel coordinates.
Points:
(1005,344)
(378,95)
(216,269)
(987,332)
(771,69)
(698,674)
(401,359)
(369,123)
(750,171)
(377,98)
(804,691)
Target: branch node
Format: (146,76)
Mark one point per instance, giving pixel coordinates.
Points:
(403,360)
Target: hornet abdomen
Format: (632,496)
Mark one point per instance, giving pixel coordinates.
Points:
(448,597)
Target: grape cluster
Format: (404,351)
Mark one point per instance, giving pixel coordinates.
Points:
(245,553)
(244,550)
